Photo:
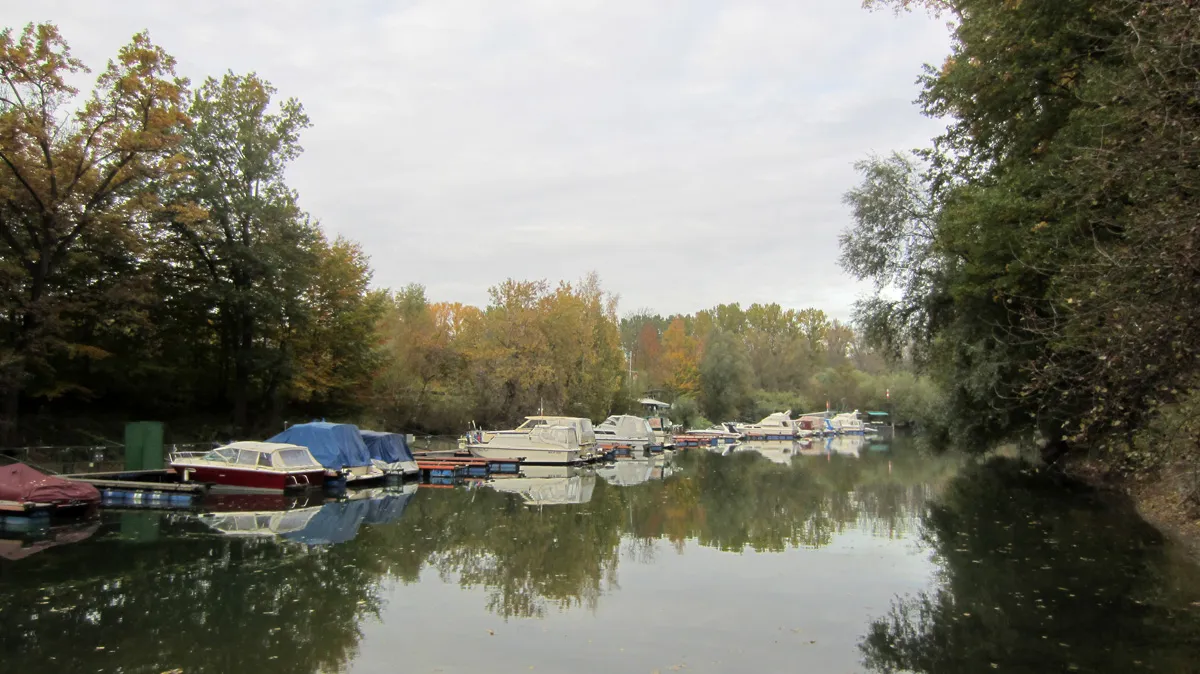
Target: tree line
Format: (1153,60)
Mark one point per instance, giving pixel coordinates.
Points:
(156,264)
(1040,258)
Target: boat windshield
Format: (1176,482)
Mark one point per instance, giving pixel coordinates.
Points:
(293,458)
(223,454)
(531,424)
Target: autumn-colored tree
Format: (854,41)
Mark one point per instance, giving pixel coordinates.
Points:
(76,186)
(681,359)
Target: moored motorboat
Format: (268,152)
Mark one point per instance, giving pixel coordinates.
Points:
(252,466)
(539,440)
(337,447)
(848,423)
(776,426)
(725,434)
(626,431)
(390,452)
(24,490)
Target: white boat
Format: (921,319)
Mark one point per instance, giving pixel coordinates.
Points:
(549,485)
(626,430)
(664,431)
(540,440)
(726,433)
(848,422)
(777,426)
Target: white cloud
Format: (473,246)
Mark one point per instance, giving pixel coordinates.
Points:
(466,141)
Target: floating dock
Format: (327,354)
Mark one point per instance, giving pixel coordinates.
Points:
(157,489)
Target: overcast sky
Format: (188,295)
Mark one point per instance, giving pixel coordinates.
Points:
(692,152)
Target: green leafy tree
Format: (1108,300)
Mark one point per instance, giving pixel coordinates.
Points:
(725,376)
(256,248)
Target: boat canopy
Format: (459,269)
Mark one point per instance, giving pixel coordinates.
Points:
(386,447)
(627,426)
(584,432)
(24,484)
(657,404)
(332,445)
(271,454)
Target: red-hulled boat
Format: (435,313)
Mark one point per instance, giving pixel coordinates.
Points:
(252,466)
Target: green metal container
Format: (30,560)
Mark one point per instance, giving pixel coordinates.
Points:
(144,445)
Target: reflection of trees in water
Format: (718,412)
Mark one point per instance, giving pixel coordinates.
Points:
(201,604)
(1037,576)
(207,603)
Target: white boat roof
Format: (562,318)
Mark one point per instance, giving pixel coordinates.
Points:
(653,402)
(257,446)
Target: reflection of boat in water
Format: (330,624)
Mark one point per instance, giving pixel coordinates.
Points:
(327,524)
(22,546)
(779,451)
(627,473)
(846,445)
(549,485)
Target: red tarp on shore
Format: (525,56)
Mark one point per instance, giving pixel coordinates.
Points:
(21,483)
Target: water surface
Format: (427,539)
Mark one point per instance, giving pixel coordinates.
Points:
(843,557)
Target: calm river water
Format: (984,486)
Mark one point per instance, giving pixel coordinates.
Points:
(844,558)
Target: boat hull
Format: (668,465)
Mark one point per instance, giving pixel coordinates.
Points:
(267,481)
(530,455)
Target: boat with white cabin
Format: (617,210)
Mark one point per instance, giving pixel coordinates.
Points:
(539,440)
(626,431)
(252,466)
(776,426)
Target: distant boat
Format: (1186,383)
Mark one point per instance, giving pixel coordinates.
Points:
(725,434)
(389,452)
(252,466)
(848,423)
(539,440)
(337,447)
(626,429)
(777,426)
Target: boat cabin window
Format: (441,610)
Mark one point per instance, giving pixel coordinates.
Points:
(264,459)
(292,458)
(225,454)
(531,423)
(248,457)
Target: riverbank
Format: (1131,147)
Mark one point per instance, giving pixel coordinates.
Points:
(1160,497)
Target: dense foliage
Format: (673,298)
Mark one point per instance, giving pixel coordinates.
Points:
(737,363)
(154,261)
(1040,257)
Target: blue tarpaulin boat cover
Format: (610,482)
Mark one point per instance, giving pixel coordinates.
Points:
(335,523)
(333,445)
(387,447)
